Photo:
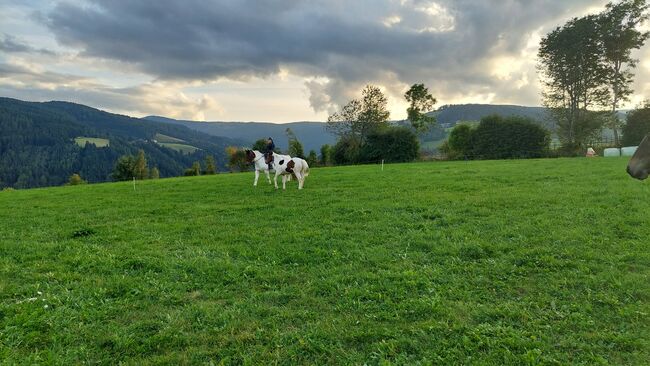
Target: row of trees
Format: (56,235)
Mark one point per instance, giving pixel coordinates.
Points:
(129,167)
(196,169)
(586,68)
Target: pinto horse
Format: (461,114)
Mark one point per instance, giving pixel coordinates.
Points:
(639,165)
(286,166)
(257,158)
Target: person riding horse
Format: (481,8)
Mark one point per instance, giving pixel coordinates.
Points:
(270,147)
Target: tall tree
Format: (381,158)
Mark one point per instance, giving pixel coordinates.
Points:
(637,126)
(619,33)
(295,147)
(140,170)
(460,139)
(326,155)
(312,158)
(359,118)
(195,169)
(154,173)
(75,179)
(236,159)
(344,122)
(420,102)
(123,169)
(573,71)
(210,165)
(260,145)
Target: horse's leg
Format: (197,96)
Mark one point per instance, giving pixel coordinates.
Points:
(284,182)
(268,177)
(299,179)
(257,175)
(275,180)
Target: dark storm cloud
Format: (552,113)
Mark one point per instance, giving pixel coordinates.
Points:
(196,39)
(10,44)
(445,42)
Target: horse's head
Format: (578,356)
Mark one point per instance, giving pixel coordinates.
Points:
(268,157)
(250,156)
(639,165)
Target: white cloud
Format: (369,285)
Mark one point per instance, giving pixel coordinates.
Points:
(392,20)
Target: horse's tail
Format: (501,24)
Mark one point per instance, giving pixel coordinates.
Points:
(305,169)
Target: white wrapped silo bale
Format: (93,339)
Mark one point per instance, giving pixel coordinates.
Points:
(628,150)
(611,152)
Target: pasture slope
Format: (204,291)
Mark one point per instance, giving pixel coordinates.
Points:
(493,262)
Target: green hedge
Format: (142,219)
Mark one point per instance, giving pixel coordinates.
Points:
(392,144)
(499,137)
(395,145)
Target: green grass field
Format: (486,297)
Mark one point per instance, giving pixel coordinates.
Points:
(496,262)
(174,144)
(168,139)
(185,149)
(82,141)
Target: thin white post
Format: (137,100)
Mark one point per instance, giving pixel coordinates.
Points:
(134,183)
(382,165)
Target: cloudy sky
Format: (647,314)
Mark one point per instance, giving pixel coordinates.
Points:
(277,61)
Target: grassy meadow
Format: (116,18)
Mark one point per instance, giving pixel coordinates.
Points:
(167,139)
(182,148)
(174,143)
(82,141)
(493,262)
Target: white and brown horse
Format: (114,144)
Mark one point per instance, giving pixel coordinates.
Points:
(257,158)
(639,165)
(286,166)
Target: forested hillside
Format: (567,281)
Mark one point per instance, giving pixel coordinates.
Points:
(37,146)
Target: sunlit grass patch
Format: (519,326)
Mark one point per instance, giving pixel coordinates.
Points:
(82,141)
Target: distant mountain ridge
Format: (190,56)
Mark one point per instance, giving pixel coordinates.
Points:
(449,115)
(313,134)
